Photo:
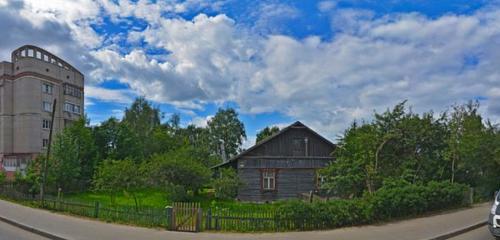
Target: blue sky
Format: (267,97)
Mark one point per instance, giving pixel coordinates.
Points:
(325,63)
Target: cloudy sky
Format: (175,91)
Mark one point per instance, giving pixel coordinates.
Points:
(325,63)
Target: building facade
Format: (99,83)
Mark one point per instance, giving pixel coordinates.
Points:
(28,86)
(282,166)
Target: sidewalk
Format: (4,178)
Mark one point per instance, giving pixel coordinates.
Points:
(82,229)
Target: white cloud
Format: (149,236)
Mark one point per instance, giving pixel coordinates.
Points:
(325,6)
(370,63)
(201,121)
(109,95)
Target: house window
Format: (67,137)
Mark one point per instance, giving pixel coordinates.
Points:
(47,88)
(72,108)
(45,124)
(47,106)
(45,143)
(268,179)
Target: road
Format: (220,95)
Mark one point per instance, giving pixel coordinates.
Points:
(9,232)
(479,234)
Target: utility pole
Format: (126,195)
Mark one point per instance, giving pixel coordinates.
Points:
(44,178)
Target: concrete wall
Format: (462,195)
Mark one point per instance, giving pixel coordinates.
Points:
(21,100)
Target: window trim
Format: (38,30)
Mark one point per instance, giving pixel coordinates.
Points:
(73,107)
(46,87)
(44,125)
(263,178)
(48,104)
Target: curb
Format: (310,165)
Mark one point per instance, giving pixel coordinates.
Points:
(458,231)
(31,229)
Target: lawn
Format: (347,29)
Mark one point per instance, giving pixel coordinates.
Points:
(159,199)
(146,197)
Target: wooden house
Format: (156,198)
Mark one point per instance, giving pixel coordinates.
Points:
(282,166)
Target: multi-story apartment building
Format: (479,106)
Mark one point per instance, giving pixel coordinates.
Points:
(28,86)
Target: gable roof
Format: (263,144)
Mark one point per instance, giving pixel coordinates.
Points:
(296,124)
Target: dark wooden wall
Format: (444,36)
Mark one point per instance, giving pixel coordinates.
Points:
(289,183)
(282,145)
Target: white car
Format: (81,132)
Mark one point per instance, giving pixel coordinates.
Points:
(494,219)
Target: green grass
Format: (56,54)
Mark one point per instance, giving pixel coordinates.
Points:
(159,199)
(147,198)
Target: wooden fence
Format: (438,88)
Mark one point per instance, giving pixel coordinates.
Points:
(178,217)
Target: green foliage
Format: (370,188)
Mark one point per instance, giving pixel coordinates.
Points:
(399,145)
(398,199)
(114,176)
(177,168)
(226,186)
(138,124)
(2,177)
(72,161)
(266,132)
(226,133)
(411,199)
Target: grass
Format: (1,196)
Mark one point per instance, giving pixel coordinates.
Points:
(159,199)
(146,197)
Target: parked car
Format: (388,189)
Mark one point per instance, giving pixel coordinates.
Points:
(494,219)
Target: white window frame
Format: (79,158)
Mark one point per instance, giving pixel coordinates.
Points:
(47,88)
(72,108)
(46,124)
(47,106)
(269,179)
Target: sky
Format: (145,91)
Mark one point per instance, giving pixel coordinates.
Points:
(325,63)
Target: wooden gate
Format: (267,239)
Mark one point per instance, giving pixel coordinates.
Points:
(186,216)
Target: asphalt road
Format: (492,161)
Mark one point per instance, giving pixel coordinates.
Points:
(479,234)
(9,232)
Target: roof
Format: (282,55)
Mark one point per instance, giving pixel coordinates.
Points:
(294,125)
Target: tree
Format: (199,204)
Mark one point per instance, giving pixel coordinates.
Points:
(177,168)
(226,186)
(73,157)
(226,133)
(139,122)
(266,132)
(114,176)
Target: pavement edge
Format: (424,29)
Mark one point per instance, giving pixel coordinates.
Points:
(31,229)
(460,231)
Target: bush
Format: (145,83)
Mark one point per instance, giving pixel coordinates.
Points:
(410,199)
(398,199)
(226,186)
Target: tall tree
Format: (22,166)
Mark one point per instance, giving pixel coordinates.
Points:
(73,157)
(140,119)
(266,132)
(226,133)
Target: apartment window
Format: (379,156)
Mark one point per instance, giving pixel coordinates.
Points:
(47,88)
(269,179)
(47,106)
(72,91)
(72,108)
(45,143)
(10,162)
(45,124)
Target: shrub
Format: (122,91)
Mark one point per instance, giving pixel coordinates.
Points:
(410,199)
(226,186)
(398,199)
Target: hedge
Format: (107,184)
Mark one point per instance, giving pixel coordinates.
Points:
(385,204)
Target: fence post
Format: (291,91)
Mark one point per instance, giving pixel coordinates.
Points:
(209,219)
(169,212)
(96,209)
(199,219)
